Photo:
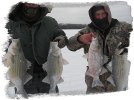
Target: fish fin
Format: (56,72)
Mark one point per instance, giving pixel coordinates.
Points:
(60,80)
(97,82)
(46,80)
(45,66)
(27,78)
(7,59)
(85,56)
(103,71)
(105,58)
(109,66)
(11,49)
(28,64)
(64,61)
(110,79)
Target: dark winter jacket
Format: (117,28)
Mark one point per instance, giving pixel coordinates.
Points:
(35,39)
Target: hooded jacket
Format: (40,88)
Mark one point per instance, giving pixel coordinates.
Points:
(35,39)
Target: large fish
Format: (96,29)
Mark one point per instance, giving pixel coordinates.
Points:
(121,67)
(54,67)
(95,62)
(15,60)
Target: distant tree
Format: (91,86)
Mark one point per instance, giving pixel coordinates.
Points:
(71,26)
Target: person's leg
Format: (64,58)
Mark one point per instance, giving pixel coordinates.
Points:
(31,87)
(90,89)
(35,85)
(108,86)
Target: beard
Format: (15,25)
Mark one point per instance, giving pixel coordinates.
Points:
(102,23)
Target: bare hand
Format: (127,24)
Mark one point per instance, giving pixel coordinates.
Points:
(86,38)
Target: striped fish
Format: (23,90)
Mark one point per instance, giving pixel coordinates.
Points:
(54,67)
(17,64)
(95,62)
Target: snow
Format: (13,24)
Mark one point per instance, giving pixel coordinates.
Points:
(74,72)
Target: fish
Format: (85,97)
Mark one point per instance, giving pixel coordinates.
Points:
(54,67)
(120,65)
(121,68)
(95,62)
(17,73)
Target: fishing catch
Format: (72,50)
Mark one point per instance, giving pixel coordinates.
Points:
(54,67)
(15,60)
(120,63)
(121,67)
(95,62)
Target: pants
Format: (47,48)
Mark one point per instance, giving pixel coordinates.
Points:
(35,85)
(108,87)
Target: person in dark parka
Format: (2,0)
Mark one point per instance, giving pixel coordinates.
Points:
(29,23)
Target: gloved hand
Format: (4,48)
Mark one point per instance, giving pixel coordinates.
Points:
(124,39)
(61,41)
(123,45)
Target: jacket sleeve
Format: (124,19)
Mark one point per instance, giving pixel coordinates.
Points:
(124,34)
(73,42)
(10,26)
(59,34)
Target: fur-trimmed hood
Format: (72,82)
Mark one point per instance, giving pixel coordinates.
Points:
(15,11)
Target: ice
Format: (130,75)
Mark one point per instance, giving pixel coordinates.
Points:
(74,72)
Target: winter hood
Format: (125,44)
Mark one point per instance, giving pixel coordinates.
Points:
(15,11)
(106,8)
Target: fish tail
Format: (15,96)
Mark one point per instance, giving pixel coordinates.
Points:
(46,80)
(64,61)
(52,87)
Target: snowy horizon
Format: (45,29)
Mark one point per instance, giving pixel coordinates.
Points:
(79,14)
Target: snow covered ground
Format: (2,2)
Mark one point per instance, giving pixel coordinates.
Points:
(74,72)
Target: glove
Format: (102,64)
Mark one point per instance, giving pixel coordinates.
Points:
(124,39)
(61,41)
(123,45)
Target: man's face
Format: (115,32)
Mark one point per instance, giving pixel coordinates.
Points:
(100,14)
(30,9)
(101,19)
